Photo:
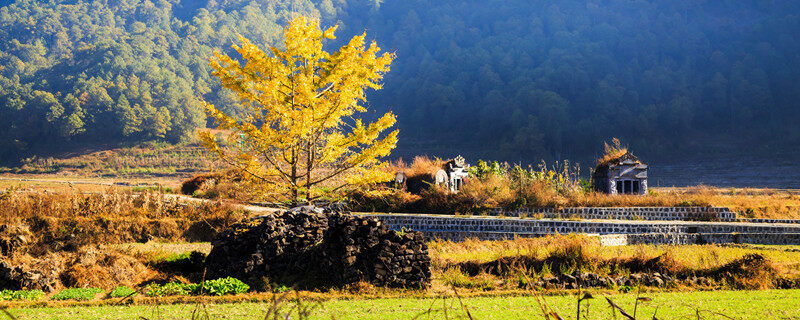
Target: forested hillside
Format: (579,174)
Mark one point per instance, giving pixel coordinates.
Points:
(530,78)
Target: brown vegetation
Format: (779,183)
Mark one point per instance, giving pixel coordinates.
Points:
(612,151)
(506,261)
(149,160)
(37,223)
(52,239)
(228,184)
(510,187)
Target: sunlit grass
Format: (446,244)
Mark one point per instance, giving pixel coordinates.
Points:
(767,304)
(158,251)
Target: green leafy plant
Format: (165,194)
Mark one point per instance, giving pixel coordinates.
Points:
(281,289)
(483,170)
(121,291)
(80,294)
(223,286)
(218,287)
(170,289)
(21,295)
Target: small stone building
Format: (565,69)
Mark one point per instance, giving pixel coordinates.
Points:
(621,175)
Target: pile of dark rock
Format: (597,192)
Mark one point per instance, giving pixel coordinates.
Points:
(309,247)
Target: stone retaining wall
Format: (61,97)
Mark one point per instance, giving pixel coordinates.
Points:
(795,221)
(444,223)
(489,228)
(718,238)
(624,213)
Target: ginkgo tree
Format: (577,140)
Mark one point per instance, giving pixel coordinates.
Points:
(299,136)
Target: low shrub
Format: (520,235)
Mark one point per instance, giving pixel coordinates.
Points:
(218,287)
(751,272)
(223,286)
(80,294)
(121,292)
(457,278)
(21,295)
(170,289)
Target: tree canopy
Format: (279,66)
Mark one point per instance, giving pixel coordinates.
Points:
(298,130)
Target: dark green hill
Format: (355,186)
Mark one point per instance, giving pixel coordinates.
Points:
(512,79)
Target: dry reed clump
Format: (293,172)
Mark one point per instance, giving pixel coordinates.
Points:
(111,204)
(154,160)
(421,165)
(91,267)
(38,223)
(612,151)
(665,263)
(489,193)
(53,238)
(88,266)
(433,200)
(228,184)
(538,194)
(565,255)
(751,272)
(382,200)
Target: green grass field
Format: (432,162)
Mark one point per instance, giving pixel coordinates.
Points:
(766,304)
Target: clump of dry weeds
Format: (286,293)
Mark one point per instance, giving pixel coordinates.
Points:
(37,223)
(555,255)
(510,187)
(751,272)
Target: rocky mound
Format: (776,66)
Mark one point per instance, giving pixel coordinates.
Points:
(311,248)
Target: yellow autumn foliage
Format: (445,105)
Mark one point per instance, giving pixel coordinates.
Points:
(300,135)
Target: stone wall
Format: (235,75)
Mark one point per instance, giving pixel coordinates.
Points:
(795,221)
(718,238)
(613,240)
(446,223)
(624,213)
(490,228)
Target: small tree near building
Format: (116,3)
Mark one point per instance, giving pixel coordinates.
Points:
(300,135)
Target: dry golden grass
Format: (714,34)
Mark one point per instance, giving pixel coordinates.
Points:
(612,151)
(38,223)
(515,188)
(459,262)
(491,192)
(481,262)
(154,251)
(420,165)
(65,183)
(109,205)
(749,203)
(445,253)
(149,160)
